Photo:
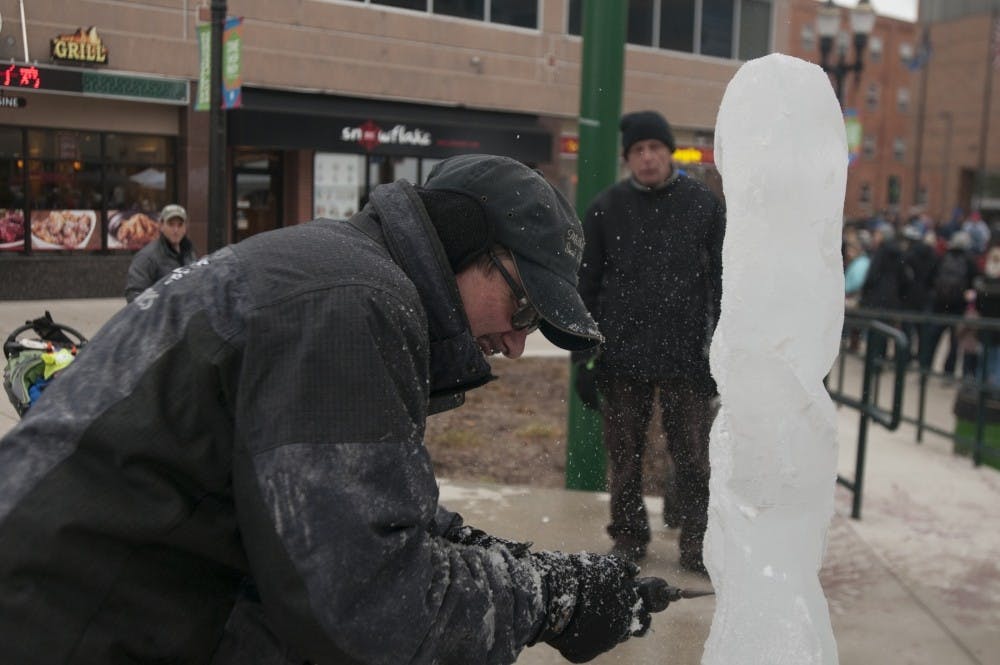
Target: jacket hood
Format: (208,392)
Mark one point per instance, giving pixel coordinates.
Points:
(456,362)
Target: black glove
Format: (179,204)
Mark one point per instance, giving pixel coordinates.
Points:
(473,537)
(593,603)
(586,385)
(656,594)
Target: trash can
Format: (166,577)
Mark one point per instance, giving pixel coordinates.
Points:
(966,404)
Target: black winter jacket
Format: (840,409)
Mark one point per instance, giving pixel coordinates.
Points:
(154,262)
(951,300)
(920,260)
(888,279)
(652,277)
(259,416)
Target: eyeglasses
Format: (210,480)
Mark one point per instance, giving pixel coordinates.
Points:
(525,317)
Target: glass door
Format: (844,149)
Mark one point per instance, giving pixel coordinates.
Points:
(257,186)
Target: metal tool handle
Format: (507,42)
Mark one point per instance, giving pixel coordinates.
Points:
(657,594)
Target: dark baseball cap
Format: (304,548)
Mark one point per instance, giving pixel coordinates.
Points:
(537,224)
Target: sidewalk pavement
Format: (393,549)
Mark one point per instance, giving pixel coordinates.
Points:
(916,581)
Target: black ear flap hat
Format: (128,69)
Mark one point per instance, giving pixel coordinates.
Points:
(537,224)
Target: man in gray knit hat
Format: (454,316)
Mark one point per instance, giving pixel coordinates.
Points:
(652,276)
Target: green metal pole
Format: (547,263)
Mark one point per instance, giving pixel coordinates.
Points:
(597,167)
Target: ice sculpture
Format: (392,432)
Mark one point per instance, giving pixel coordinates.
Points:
(782,152)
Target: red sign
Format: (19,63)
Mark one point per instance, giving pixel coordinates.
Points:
(21,76)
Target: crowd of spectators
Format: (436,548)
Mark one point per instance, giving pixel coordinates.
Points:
(921,266)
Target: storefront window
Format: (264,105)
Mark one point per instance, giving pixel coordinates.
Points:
(83,190)
(386,169)
(342,182)
(61,144)
(65,199)
(139,181)
(338,184)
(12,232)
(139,148)
(427,165)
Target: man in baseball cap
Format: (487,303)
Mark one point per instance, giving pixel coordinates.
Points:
(537,225)
(172,249)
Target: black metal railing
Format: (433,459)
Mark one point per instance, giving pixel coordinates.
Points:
(877,335)
(976,397)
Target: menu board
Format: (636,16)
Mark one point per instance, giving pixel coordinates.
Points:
(64,229)
(337,183)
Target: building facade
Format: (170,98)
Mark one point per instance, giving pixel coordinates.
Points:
(337,97)
(960,134)
(879,106)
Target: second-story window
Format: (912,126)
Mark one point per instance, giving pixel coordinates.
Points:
(677,26)
(875,48)
(755,29)
(871,96)
(419,5)
(722,28)
(868,146)
(808,38)
(894,189)
(640,22)
(899,149)
(906,52)
(474,9)
(520,13)
(903,99)
(717,28)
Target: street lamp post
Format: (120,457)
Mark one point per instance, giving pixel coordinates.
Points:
(862,20)
(217,136)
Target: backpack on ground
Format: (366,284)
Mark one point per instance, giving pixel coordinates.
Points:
(33,362)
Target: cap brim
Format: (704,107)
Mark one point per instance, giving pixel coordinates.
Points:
(565,320)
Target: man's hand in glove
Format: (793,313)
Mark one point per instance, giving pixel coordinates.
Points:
(593,603)
(586,384)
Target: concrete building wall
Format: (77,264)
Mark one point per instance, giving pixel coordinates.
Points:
(347,50)
(353,49)
(957,144)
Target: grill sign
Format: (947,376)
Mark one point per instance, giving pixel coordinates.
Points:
(83,46)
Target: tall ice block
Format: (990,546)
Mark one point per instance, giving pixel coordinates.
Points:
(782,152)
